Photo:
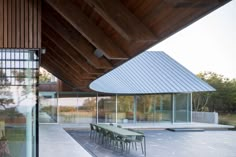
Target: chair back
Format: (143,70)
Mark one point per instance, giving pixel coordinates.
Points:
(97,128)
(91,126)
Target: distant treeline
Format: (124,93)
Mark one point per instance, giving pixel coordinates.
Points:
(222,100)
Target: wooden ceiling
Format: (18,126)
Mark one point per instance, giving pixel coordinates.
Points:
(73,30)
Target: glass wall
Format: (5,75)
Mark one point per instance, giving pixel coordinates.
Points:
(77,107)
(48,107)
(154,108)
(18,80)
(106,109)
(182,107)
(125,109)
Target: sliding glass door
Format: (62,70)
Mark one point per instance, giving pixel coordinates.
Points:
(182,107)
(48,107)
(18,99)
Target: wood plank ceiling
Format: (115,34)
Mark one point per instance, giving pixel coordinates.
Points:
(84,39)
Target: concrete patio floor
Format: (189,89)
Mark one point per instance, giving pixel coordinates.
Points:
(55,141)
(161,126)
(163,143)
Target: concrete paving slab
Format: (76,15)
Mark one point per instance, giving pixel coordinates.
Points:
(54,141)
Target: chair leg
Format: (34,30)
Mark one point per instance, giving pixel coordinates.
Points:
(142,146)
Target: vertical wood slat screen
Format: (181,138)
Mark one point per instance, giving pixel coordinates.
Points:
(20,23)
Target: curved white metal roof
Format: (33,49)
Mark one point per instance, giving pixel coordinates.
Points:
(150,72)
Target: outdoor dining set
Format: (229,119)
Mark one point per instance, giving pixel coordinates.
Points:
(117,138)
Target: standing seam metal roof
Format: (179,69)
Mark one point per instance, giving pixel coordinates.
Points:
(150,72)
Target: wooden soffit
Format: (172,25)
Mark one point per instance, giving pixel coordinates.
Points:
(85,39)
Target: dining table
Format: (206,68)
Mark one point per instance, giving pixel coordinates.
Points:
(122,132)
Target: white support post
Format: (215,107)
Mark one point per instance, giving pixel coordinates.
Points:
(57,104)
(116,108)
(173,108)
(191,107)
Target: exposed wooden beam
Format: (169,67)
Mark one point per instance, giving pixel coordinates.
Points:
(63,61)
(88,29)
(50,66)
(58,55)
(64,71)
(69,82)
(65,48)
(122,20)
(74,38)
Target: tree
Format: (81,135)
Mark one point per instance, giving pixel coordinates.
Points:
(5,93)
(222,100)
(44,76)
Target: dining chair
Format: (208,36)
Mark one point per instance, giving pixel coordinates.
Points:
(137,139)
(92,131)
(98,133)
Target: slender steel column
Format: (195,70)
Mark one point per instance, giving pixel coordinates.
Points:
(173,107)
(135,109)
(191,107)
(116,108)
(97,108)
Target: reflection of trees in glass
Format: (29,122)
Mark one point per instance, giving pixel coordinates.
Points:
(107,104)
(125,103)
(145,103)
(89,104)
(5,93)
(22,91)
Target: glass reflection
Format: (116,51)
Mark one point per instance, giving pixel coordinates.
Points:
(17,105)
(77,107)
(106,109)
(154,108)
(182,107)
(47,107)
(125,109)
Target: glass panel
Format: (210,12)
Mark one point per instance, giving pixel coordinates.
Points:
(47,107)
(153,108)
(182,108)
(86,108)
(17,104)
(77,107)
(165,108)
(125,109)
(67,103)
(106,109)
(144,108)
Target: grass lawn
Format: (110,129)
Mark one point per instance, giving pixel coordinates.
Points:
(228,119)
(16,141)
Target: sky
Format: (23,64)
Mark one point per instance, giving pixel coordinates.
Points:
(209,44)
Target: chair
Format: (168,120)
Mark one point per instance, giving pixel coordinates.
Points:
(92,131)
(116,141)
(98,133)
(105,137)
(137,139)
